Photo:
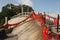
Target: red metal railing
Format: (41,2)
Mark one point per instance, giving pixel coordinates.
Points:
(40,18)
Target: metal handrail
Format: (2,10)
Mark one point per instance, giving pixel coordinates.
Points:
(21,14)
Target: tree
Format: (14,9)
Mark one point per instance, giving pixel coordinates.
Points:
(10,10)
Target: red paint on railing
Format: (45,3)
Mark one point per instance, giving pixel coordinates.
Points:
(50,36)
(45,31)
(55,21)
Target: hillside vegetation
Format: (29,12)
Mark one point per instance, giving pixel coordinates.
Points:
(10,10)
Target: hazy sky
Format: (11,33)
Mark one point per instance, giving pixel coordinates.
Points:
(37,5)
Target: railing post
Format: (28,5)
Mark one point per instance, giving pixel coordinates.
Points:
(58,23)
(50,36)
(44,17)
(6,21)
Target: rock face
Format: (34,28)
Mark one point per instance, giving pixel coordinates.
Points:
(29,30)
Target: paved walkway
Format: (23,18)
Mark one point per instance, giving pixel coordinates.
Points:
(28,31)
